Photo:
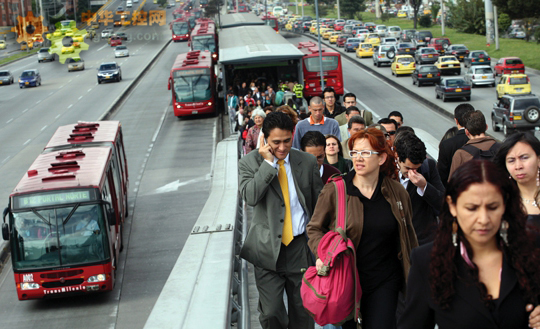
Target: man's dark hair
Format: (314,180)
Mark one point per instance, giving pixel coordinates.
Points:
(387,121)
(403,129)
(409,146)
(475,123)
(396,114)
(329,90)
(277,120)
(352,108)
(460,111)
(349,95)
(356,119)
(312,138)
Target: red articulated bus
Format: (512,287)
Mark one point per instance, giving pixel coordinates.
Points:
(204,37)
(332,69)
(178,13)
(193,84)
(65,224)
(272,22)
(181,29)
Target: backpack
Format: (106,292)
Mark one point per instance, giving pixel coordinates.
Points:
(332,295)
(479,154)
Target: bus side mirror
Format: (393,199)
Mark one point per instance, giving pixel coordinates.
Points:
(5,231)
(169,85)
(111,217)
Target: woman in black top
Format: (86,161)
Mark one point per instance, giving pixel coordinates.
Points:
(482,270)
(334,155)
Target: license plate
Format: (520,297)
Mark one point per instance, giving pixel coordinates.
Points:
(430,56)
(430,75)
(451,65)
(515,71)
(484,77)
(460,56)
(355,48)
(194,112)
(519,89)
(383,56)
(481,60)
(458,90)
(1,82)
(517,117)
(107,77)
(407,50)
(26,83)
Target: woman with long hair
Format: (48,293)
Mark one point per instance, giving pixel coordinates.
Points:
(334,155)
(482,270)
(379,222)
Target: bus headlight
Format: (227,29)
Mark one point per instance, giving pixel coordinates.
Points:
(29,286)
(97,278)
(178,106)
(214,55)
(209,103)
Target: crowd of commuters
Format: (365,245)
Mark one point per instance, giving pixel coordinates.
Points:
(451,242)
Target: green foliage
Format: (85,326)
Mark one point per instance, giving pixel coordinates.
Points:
(537,35)
(468,16)
(162,3)
(385,17)
(435,7)
(504,22)
(416,6)
(323,10)
(518,9)
(351,8)
(425,21)
(359,17)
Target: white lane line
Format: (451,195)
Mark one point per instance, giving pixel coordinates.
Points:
(77,75)
(61,87)
(38,102)
(377,116)
(44,127)
(80,97)
(102,47)
(51,93)
(57,116)
(70,81)
(9,120)
(26,110)
(70,105)
(28,141)
(6,159)
(89,90)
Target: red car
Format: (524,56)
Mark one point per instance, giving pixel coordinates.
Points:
(440,44)
(116,41)
(340,42)
(509,65)
(339,26)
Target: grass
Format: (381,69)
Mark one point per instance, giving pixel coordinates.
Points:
(17,56)
(527,51)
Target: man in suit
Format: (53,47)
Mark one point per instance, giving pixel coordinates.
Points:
(314,143)
(448,147)
(282,185)
(349,99)
(420,178)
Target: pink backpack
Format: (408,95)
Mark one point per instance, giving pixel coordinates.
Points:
(332,295)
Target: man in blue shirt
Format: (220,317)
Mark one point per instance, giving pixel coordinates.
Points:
(316,122)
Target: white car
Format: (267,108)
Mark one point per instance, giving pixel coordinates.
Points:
(393,31)
(121,51)
(106,33)
(389,41)
(380,30)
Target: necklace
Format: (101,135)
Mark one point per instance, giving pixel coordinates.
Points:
(527,201)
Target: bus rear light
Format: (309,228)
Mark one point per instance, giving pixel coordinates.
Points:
(97,278)
(29,286)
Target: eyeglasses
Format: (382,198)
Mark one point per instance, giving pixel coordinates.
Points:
(329,97)
(391,132)
(362,154)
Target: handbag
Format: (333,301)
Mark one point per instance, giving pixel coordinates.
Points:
(332,295)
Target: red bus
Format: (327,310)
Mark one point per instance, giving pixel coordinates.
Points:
(204,37)
(271,21)
(332,69)
(92,134)
(193,84)
(243,8)
(177,13)
(181,29)
(65,224)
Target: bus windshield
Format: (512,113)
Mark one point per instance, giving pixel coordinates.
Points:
(61,236)
(204,42)
(180,28)
(192,85)
(329,63)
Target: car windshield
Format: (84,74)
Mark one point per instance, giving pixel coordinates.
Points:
(405,45)
(28,74)
(394,29)
(513,61)
(429,50)
(180,28)
(44,50)
(479,54)
(483,70)
(353,40)
(59,237)
(427,69)
(386,48)
(366,45)
(441,42)
(525,103)
(459,48)
(121,48)
(455,83)
(4,74)
(448,59)
(518,81)
(329,63)
(388,40)
(405,60)
(106,67)
(192,85)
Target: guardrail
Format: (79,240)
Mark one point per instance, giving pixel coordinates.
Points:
(207,287)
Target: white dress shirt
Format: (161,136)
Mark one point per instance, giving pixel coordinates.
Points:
(405,182)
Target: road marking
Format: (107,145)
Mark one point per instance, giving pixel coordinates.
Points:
(6,159)
(89,90)
(70,80)
(102,47)
(173,186)
(28,141)
(38,102)
(9,120)
(61,87)
(57,116)
(26,110)
(77,75)
(51,93)
(44,127)
(70,105)
(80,97)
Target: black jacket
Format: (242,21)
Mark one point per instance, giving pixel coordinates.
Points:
(426,208)
(467,309)
(446,153)
(338,109)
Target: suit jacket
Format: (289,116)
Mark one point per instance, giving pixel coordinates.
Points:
(467,309)
(446,153)
(259,186)
(328,171)
(367,115)
(426,208)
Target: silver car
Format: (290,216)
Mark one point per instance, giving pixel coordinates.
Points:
(380,30)
(121,51)
(480,75)
(393,32)
(389,41)
(44,55)
(106,33)
(6,78)
(75,64)
(384,54)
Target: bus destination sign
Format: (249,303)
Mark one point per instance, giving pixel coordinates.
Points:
(47,199)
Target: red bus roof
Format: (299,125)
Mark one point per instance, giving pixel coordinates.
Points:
(193,59)
(85,132)
(311,48)
(204,29)
(73,168)
(203,20)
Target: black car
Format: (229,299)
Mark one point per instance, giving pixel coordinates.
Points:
(370,26)
(453,88)
(424,74)
(421,38)
(406,48)
(306,26)
(516,112)
(407,35)
(460,51)
(109,72)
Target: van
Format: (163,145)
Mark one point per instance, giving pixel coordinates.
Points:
(128,4)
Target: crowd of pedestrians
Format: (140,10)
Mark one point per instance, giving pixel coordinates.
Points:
(451,241)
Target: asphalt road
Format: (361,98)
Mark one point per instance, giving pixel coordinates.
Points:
(169,164)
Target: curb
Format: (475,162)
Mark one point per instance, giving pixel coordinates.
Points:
(5,245)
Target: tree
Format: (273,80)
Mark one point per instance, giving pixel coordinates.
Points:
(526,10)
(212,9)
(349,8)
(504,22)
(468,16)
(415,4)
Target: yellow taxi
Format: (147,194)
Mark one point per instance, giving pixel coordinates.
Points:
(321,30)
(427,11)
(402,14)
(288,26)
(3,44)
(68,49)
(513,84)
(95,25)
(57,33)
(374,39)
(364,50)
(69,33)
(313,28)
(327,33)
(403,64)
(448,64)
(334,36)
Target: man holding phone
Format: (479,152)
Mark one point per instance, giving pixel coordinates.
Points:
(282,185)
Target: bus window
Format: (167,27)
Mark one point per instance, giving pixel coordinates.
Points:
(329,63)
